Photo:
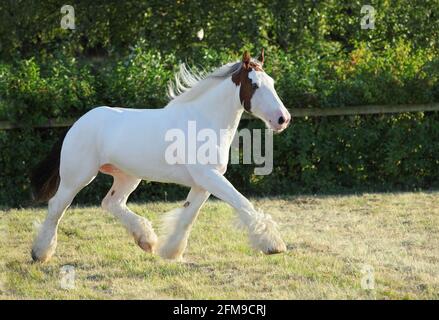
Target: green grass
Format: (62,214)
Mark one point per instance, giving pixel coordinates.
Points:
(329,239)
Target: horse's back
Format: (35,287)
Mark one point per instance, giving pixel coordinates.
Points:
(102,121)
(102,126)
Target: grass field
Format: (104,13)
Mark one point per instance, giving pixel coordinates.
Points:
(334,245)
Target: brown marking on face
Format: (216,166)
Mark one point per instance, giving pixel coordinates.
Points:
(241,78)
(112,192)
(186,204)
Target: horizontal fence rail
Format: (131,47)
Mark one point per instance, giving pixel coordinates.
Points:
(296,112)
(361,110)
(52,123)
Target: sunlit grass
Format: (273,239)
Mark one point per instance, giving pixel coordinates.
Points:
(330,240)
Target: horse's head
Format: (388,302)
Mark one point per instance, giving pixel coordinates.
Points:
(257,93)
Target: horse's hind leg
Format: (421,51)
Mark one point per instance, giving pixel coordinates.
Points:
(115,202)
(45,243)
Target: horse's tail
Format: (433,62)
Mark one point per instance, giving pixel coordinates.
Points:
(45,176)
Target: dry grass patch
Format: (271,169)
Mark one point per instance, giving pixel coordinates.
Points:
(331,240)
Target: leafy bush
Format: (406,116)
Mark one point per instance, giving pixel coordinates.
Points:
(325,155)
(140,80)
(105,28)
(32,93)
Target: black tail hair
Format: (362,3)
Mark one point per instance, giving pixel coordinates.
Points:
(45,176)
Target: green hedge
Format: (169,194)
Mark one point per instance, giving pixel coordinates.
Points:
(32,28)
(325,155)
(34,91)
(319,155)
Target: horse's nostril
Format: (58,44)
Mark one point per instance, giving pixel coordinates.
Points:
(281,120)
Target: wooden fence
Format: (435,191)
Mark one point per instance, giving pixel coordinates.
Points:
(297,112)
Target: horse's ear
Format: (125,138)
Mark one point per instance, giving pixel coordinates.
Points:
(246,58)
(261,57)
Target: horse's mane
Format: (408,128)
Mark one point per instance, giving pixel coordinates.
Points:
(189,84)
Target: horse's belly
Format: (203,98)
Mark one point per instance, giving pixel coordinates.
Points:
(171,175)
(148,169)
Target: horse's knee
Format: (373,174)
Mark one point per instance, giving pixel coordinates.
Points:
(54,205)
(111,205)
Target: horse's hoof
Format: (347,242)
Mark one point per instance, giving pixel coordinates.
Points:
(37,258)
(147,242)
(146,246)
(280,247)
(145,237)
(167,254)
(34,256)
(275,251)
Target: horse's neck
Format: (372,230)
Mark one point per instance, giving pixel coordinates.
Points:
(221,106)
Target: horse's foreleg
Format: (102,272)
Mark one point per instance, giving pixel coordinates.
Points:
(178,223)
(115,202)
(263,231)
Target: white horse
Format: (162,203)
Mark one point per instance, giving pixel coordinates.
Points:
(129,144)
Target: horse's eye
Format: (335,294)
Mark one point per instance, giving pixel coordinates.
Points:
(255,86)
